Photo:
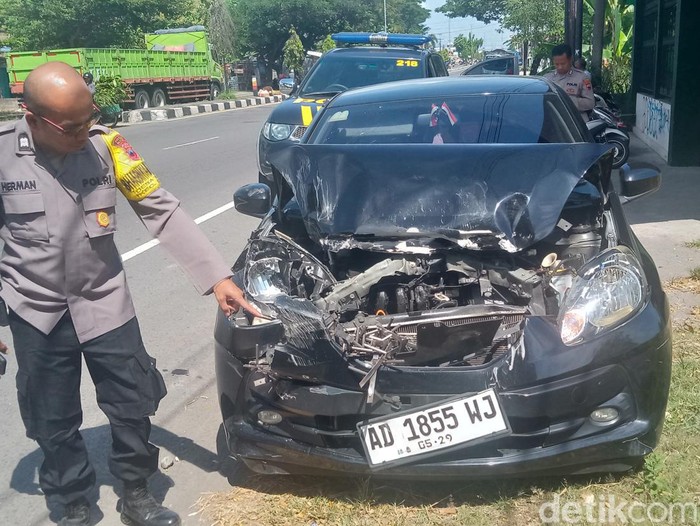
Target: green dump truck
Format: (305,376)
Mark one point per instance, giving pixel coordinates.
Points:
(176,66)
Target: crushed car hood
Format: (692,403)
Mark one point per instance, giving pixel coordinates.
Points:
(477,196)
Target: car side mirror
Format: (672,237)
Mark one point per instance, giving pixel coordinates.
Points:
(638,182)
(596,127)
(253,199)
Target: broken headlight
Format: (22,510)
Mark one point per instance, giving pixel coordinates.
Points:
(607,291)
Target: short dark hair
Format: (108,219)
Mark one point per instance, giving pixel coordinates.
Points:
(562,49)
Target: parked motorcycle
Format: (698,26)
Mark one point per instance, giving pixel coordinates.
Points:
(605,100)
(613,133)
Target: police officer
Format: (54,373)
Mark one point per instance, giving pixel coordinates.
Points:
(64,285)
(573,81)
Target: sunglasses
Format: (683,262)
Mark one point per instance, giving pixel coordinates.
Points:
(74,129)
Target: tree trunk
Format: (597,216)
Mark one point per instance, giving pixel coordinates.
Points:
(597,43)
(536,63)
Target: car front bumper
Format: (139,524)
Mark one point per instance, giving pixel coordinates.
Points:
(547,396)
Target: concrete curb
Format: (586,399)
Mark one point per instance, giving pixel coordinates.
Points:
(176,112)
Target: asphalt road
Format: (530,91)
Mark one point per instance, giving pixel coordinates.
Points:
(202,160)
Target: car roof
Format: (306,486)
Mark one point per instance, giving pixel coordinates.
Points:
(443,87)
(388,51)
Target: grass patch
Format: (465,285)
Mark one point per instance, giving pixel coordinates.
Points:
(227,95)
(670,475)
(695,274)
(693,244)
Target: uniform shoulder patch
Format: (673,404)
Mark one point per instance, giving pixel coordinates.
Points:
(133,177)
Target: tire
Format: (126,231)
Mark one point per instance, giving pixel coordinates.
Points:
(142,100)
(158,99)
(622,152)
(215,91)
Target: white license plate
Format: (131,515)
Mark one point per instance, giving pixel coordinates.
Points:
(390,440)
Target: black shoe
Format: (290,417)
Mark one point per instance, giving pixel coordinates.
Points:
(77,513)
(139,508)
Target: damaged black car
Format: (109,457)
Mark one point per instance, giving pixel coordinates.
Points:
(450,289)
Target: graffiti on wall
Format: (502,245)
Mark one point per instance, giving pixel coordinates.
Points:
(657,117)
(654,123)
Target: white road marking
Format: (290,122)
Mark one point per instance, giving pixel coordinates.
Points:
(154,242)
(190,143)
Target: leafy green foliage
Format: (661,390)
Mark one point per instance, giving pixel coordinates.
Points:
(109,91)
(484,10)
(539,22)
(468,47)
(327,44)
(293,52)
(445,54)
(263,25)
(51,24)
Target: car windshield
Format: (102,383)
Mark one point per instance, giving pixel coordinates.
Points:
(338,72)
(497,119)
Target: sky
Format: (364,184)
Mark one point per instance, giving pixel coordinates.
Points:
(448,28)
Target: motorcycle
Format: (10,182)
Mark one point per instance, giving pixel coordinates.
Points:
(605,100)
(612,133)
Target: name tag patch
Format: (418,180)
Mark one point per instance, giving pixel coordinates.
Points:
(17,186)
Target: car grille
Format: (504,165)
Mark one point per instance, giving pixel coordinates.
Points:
(298,132)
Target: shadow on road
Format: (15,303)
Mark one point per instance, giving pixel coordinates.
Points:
(98,441)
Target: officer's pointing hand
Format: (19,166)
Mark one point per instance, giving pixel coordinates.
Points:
(3,348)
(231,298)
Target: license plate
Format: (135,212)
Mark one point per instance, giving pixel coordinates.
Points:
(392,440)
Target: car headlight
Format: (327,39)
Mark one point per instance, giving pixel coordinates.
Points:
(273,131)
(608,291)
(265,279)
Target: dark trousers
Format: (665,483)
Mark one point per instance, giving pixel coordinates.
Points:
(128,388)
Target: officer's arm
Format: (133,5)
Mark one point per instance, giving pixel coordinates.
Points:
(585,101)
(162,215)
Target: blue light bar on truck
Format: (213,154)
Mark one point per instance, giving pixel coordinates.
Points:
(380,38)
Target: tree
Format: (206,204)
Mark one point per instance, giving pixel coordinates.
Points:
(468,47)
(539,23)
(327,44)
(46,24)
(263,25)
(483,10)
(293,52)
(222,32)
(445,54)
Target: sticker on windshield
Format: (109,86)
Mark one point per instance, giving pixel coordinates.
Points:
(339,116)
(406,63)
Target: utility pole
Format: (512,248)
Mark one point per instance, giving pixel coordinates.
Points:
(573,22)
(385,26)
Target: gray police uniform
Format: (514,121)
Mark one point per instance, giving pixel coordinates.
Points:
(63,281)
(578,86)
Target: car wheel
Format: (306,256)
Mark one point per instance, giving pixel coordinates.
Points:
(158,99)
(621,152)
(215,91)
(234,470)
(142,100)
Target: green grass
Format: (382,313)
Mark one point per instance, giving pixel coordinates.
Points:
(693,244)
(227,95)
(670,475)
(695,274)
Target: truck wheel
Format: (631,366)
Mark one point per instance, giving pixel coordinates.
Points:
(142,100)
(215,91)
(158,99)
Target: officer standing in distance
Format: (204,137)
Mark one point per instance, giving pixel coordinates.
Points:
(573,81)
(64,285)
